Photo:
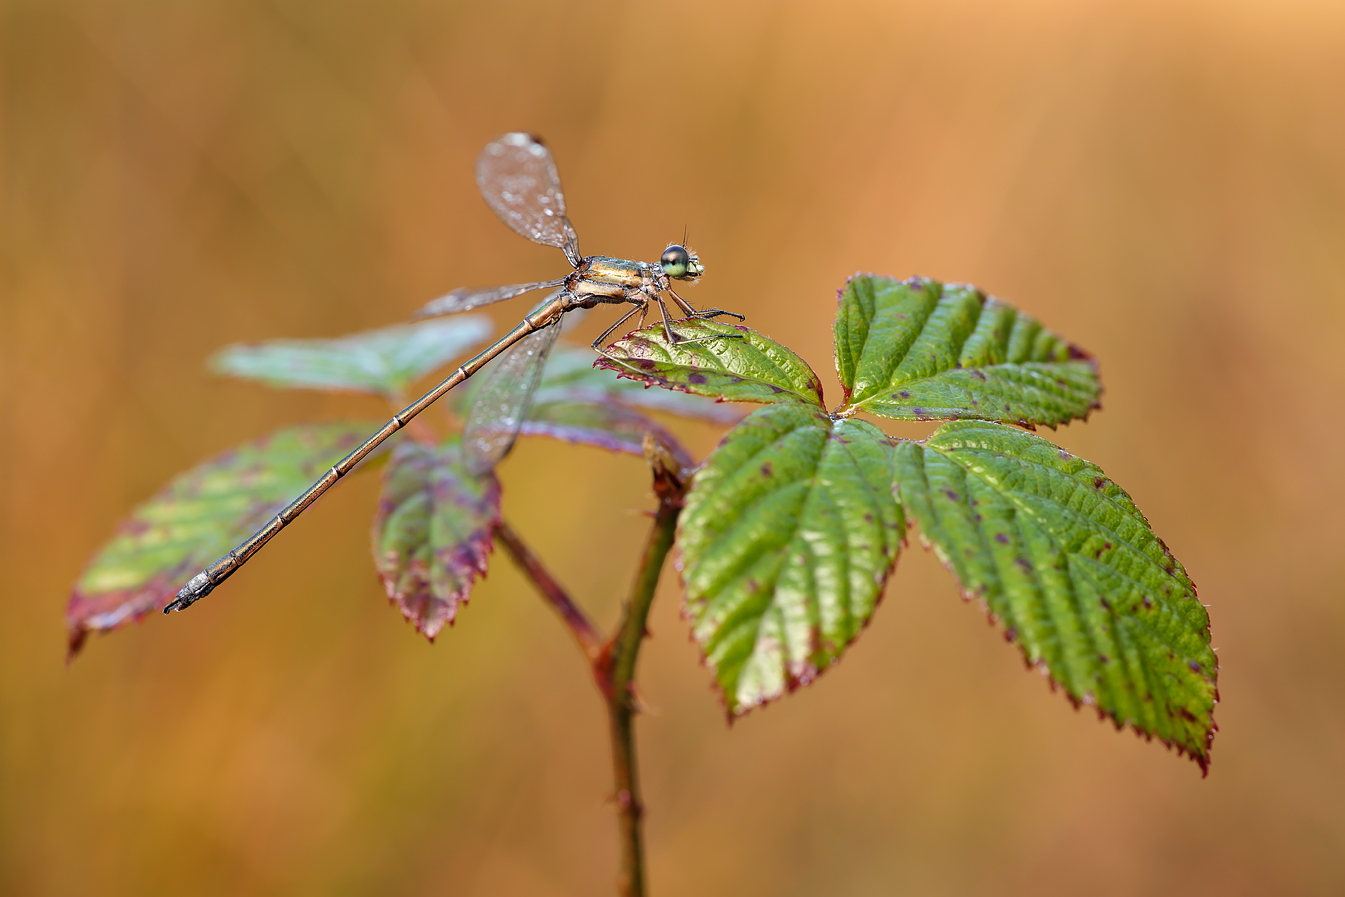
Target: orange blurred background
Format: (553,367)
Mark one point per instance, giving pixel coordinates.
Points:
(1162,182)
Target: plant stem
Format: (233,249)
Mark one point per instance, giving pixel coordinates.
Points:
(585,634)
(618,665)
(613,662)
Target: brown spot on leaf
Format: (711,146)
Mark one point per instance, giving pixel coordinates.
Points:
(1001,538)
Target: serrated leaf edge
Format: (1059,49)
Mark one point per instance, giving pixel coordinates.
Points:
(640,373)
(792,682)
(1076,353)
(978,595)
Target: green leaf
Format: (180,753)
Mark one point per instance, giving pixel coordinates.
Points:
(199,516)
(572,374)
(727,362)
(433,532)
(922,350)
(789,534)
(1062,556)
(383,362)
(609,427)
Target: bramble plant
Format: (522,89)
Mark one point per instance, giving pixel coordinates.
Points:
(787,532)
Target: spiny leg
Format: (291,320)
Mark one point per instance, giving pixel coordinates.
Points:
(642,308)
(677,339)
(667,328)
(692,312)
(697,315)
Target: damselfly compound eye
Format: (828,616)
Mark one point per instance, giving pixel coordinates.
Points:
(680,264)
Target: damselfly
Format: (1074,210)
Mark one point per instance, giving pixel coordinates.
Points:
(518,179)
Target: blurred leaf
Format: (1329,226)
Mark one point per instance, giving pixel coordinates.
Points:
(1063,557)
(608,427)
(383,362)
(789,534)
(433,532)
(922,350)
(199,516)
(727,362)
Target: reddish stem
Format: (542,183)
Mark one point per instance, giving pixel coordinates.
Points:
(584,632)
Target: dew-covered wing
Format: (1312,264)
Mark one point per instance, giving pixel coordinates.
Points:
(501,402)
(518,179)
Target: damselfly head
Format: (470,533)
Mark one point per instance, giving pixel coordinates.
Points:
(680,263)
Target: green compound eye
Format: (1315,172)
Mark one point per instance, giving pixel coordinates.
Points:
(680,264)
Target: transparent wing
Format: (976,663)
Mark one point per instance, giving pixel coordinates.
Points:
(502,401)
(465,298)
(518,179)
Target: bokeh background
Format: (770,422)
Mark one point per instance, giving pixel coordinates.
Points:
(1163,182)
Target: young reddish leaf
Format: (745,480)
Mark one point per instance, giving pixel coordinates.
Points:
(198,516)
(1062,556)
(382,361)
(728,362)
(608,427)
(433,533)
(922,350)
(789,534)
